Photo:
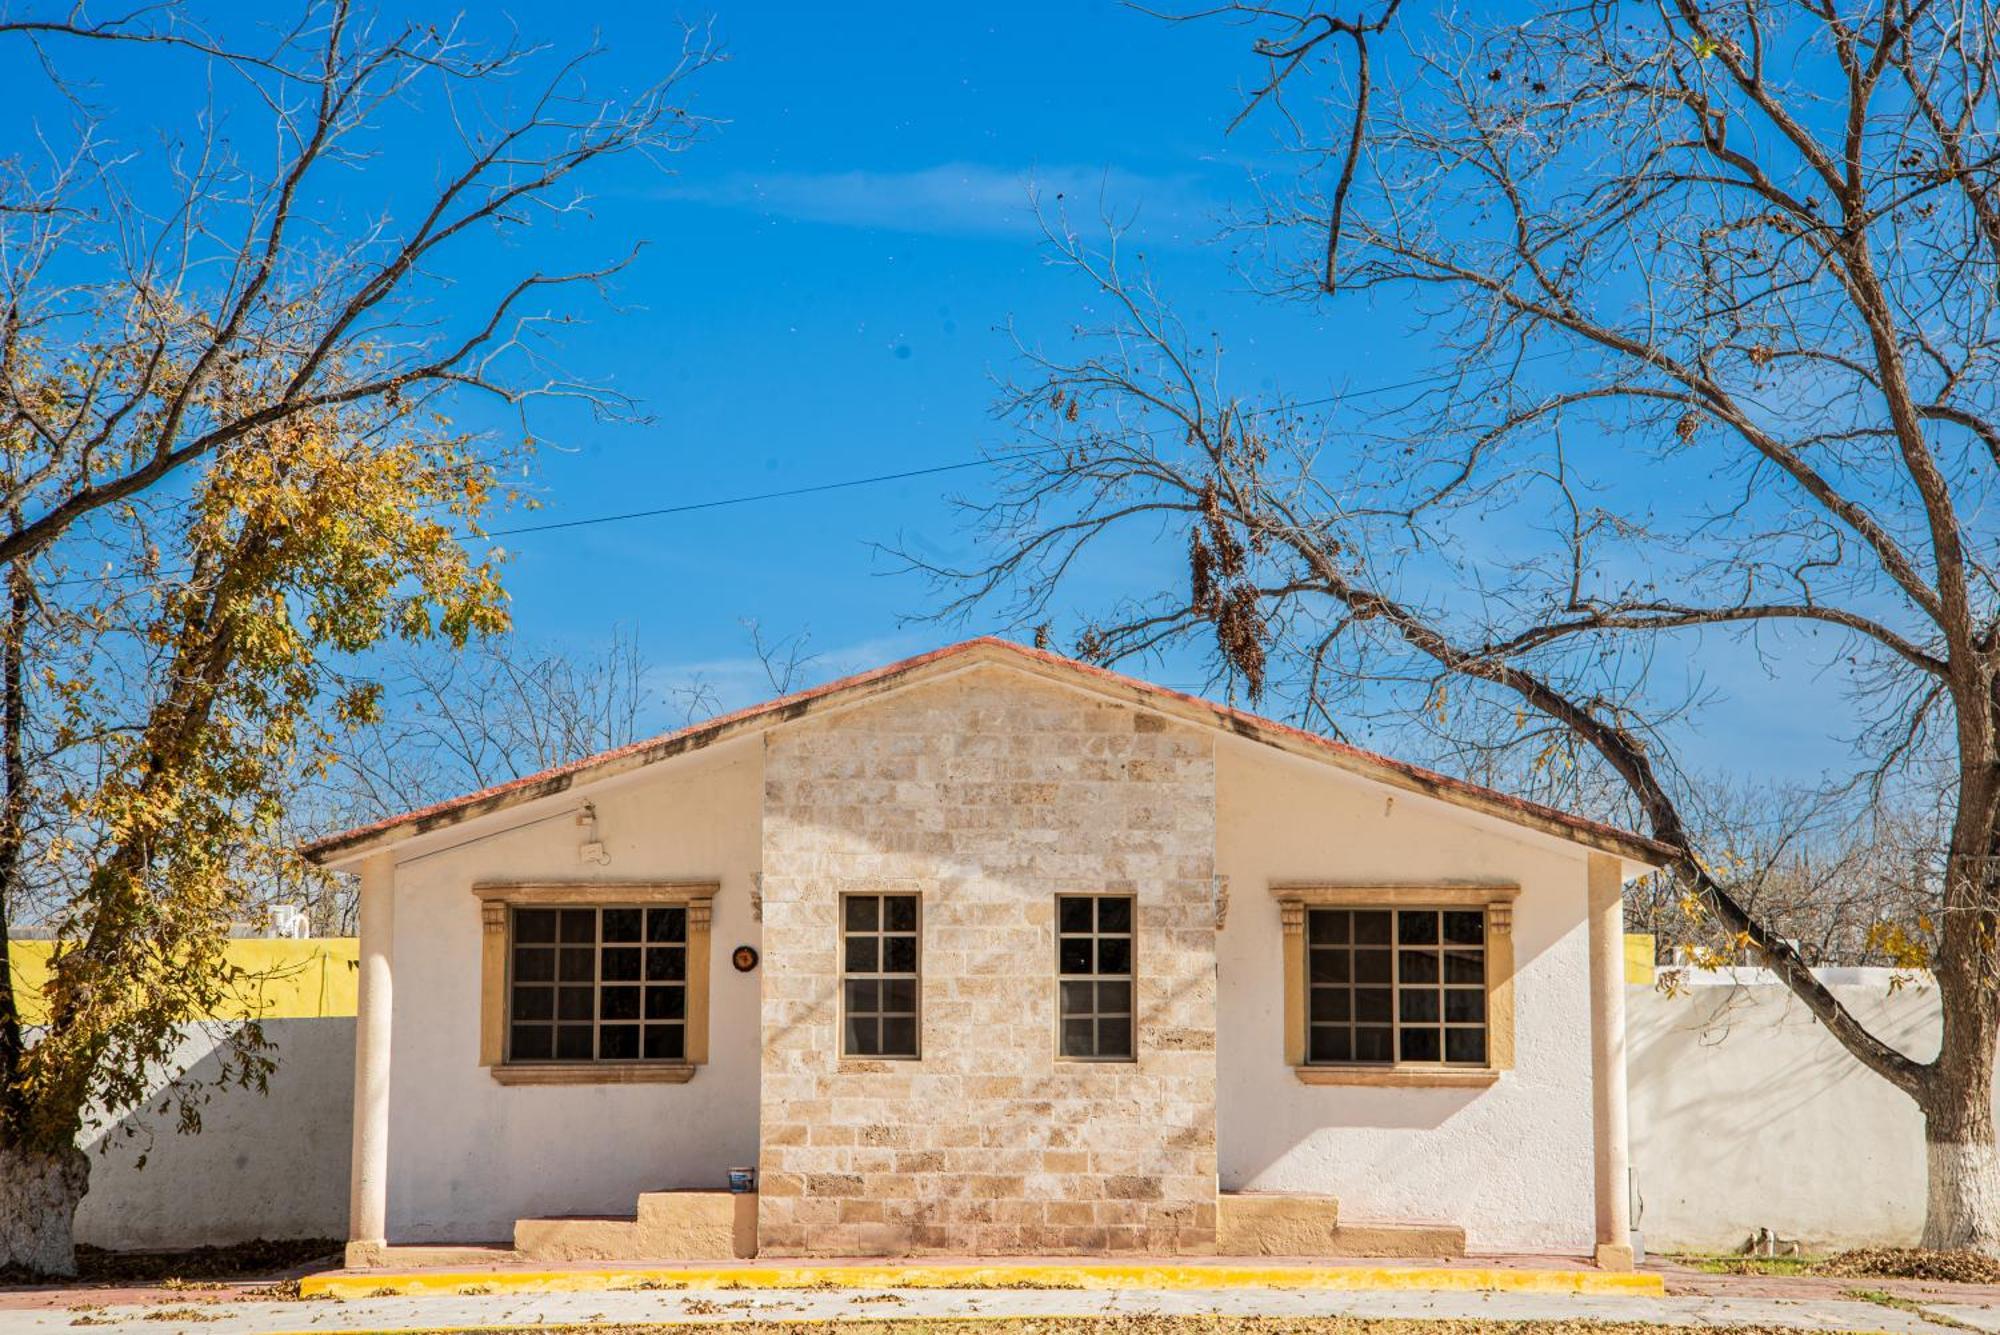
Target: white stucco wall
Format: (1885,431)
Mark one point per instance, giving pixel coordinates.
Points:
(270,1165)
(1511,1164)
(468,1156)
(1747,1114)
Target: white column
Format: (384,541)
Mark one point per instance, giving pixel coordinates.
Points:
(1612,1160)
(368,1190)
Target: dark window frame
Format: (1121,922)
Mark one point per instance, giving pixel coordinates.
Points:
(1095,978)
(672,1027)
(878,977)
(1429,956)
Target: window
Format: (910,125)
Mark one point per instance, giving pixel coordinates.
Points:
(598,984)
(878,983)
(589,984)
(1094,977)
(1398,985)
(1403,986)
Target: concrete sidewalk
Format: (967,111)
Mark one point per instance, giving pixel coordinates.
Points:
(200,1313)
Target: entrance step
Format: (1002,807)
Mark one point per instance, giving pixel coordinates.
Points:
(433,1256)
(577,1238)
(1270,1223)
(667,1226)
(1406,1242)
(699,1225)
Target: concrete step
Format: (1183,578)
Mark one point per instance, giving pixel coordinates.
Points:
(577,1238)
(1272,1223)
(407,1256)
(700,1225)
(666,1226)
(1398,1241)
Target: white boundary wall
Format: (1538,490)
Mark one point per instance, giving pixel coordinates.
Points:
(1746,1114)
(271,1166)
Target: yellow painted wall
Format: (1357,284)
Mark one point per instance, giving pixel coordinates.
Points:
(283,979)
(292,979)
(1639,962)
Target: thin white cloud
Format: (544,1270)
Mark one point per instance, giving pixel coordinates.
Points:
(963,198)
(697,690)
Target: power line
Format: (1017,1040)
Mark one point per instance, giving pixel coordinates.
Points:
(687,508)
(725,501)
(753,498)
(982,462)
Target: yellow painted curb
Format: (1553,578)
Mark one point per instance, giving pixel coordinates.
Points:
(1130,1275)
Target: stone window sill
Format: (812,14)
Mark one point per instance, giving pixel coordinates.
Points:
(1088,1062)
(1399,1077)
(593,1073)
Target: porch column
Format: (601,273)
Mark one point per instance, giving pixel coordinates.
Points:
(368,1188)
(1612,1159)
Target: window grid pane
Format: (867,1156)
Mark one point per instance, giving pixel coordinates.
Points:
(879,963)
(602,983)
(1094,976)
(1396,987)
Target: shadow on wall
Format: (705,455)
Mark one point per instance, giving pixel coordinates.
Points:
(269,1166)
(1740,1101)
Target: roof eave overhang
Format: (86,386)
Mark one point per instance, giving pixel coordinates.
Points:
(353,845)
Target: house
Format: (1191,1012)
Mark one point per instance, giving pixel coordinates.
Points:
(990,951)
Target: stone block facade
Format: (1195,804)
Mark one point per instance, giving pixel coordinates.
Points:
(988,794)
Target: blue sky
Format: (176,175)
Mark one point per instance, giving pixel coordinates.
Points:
(828,295)
(825,294)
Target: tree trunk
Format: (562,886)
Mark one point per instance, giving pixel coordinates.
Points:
(1962,1207)
(1962,1203)
(13,827)
(39,1193)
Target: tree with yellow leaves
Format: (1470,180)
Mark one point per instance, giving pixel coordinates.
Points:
(226,474)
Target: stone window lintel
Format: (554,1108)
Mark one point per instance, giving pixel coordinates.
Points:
(1397,894)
